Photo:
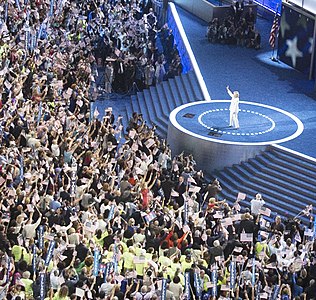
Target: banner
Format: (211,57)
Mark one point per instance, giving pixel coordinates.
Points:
(253,277)
(111,213)
(187,293)
(232,271)
(108,269)
(42,285)
(27,39)
(6,12)
(164,289)
(40,237)
(275,292)
(115,258)
(50,252)
(258,291)
(39,116)
(73,179)
(105,271)
(186,212)
(51,7)
(214,283)
(39,34)
(197,285)
(34,259)
(32,42)
(8,269)
(60,5)
(96,262)
(17,2)
(21,168)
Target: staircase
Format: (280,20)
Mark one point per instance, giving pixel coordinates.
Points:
(286,180)
(156,103)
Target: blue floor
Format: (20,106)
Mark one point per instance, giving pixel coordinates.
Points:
(256,77)
(259,124)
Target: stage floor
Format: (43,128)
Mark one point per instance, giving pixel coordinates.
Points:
(260,124)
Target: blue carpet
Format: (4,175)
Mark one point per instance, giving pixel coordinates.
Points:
(255,76)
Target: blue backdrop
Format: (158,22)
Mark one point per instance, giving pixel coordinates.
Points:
(296,39)
(269,4)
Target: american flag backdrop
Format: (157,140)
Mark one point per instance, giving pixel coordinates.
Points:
(296,38)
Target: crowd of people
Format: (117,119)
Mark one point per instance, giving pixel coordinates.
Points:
(92,210)
(237,28)
(127,46)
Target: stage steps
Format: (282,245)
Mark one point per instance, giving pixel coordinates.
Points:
(286,180)
(156,103)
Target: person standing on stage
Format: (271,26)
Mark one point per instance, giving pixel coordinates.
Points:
(108,78)
(233,108)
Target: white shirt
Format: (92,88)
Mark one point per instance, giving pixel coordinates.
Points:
(234,105)
(176,289)
(54,280)
(256,205)
(29,230)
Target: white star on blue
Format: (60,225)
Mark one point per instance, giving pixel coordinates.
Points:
(293,51)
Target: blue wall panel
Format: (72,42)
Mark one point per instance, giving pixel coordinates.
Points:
(270,4)
(295,39)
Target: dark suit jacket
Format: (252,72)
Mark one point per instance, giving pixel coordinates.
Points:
(246,225)
(215,251)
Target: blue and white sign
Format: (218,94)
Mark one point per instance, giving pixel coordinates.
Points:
(187,293)
(50,252)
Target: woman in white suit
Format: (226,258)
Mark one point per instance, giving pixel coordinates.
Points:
(233,108)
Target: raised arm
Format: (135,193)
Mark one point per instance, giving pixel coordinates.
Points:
(229,91)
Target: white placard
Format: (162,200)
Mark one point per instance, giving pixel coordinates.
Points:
(241,196)
(80,292)
(227,222)
(246,237)
(194,189)
(236,217)
(309,232)
(174,193)
(218,215)
(149,143)
(265,211)
(238,249)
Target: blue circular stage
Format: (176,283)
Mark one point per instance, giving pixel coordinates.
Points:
(260,124)
(201,128)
